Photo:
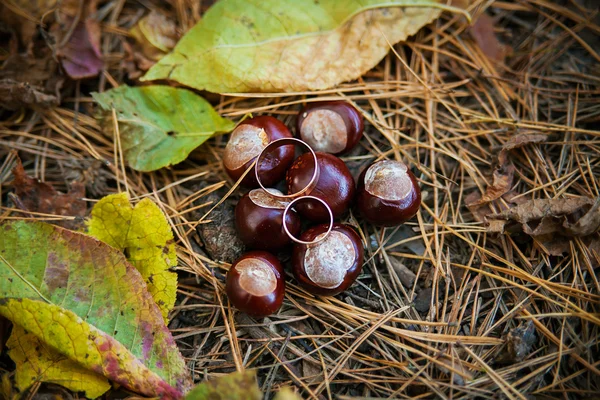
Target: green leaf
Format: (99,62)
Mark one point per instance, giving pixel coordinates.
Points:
(144,234)
(291,45)
(81,299)
(234,386)
(158,125)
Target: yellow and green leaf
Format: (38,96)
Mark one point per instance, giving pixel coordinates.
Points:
(291,45)
(158,125)
(144,234)
(80,299)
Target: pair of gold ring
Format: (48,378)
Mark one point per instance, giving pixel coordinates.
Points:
(299,196)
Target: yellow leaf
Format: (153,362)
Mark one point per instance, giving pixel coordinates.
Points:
(35,362)
(291,45)
(68,334)
(146,237)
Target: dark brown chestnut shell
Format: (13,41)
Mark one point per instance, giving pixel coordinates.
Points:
(331,126)
(252,270)
(384,211)
(259,221)
(274,164)
(335,185)
(337,252)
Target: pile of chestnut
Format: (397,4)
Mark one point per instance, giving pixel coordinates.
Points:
(327,257)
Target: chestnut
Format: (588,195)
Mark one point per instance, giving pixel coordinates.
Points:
(259,220)
(256,284)
(330,126)
(388,193)
(247,140)
(335,185)
(330,266)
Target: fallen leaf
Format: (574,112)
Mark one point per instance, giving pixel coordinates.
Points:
(551,222)
(502,182)
(82,299)
(35,359)
(538,209)
(159,125)
(14,95)
(145,236)
(523,139)
(485,37)
(81,56)
(30,80)
(234,386)
(290,45)
(155,34)
(36,196)
(585,225)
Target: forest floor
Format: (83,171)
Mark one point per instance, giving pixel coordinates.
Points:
(491,290)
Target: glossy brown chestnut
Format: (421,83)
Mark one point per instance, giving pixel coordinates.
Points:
(330,266)
(335,185)
(330,126)
(256,284)
(388,193)
(259,221)
(245,144)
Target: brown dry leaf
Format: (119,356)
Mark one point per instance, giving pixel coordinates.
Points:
(30,80)
(585,225)
(155,35)
(551,221)
(14,95)
(34,195)
(501,184)
(523,139)
(485,37)
(538,209)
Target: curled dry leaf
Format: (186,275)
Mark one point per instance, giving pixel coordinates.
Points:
(290,45)
(523,139)
(30,80)
(482,31)
(155,35)
(82,299)
(158,125)
(502,179)
(34,195)
(552,221)
(145,236)
(15,94)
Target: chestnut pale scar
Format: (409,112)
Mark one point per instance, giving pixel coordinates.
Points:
(256,277)
(388,180)
(326,263)
(246,142)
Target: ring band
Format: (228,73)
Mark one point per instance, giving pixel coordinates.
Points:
(282,142)
(289,206)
